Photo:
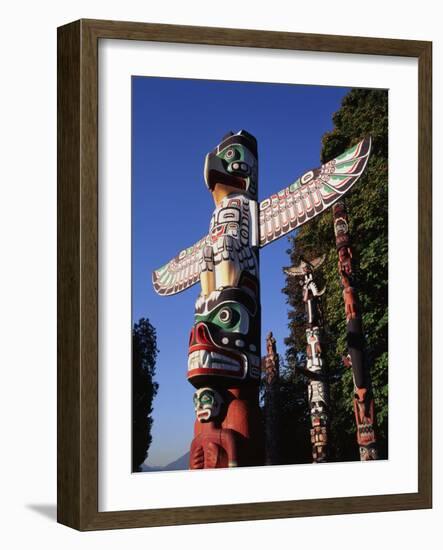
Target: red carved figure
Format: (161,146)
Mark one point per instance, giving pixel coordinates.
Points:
(225,427)
(363,399)
(345,261)
(213,446)
(350,301)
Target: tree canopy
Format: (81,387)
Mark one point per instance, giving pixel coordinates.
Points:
(144,389)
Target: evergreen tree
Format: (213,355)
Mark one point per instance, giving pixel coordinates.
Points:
(362,113)
(144,389)
(295,421)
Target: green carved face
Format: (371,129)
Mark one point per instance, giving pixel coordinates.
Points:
(225,339)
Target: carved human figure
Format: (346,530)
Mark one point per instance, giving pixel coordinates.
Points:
(213,446)
(304,270)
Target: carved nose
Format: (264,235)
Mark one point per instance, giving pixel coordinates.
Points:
(199,335)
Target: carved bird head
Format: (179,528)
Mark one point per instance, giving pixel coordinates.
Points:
(234,163)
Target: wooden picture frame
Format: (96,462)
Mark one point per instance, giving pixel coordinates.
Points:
(78,274)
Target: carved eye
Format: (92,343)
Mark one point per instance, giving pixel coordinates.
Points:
(230,153)
(225,315)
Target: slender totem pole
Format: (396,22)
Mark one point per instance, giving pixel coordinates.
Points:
(271,368)
(224,345)
(363,398)
(318,391)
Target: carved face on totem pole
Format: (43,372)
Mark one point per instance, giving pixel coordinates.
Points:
(341,226)
(234,163)
(368,453)
(223,345)
(365,416)
(342,240)
(207,404)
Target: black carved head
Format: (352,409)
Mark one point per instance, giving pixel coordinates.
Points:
(234,162)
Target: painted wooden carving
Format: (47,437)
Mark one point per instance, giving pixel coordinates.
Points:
(224,348)
(363,398)
(271,360)
(273,218)
(318,391)
(271,370)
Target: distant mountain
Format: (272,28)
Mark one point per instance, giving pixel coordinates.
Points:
(181,463)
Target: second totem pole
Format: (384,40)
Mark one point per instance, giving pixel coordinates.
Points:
(318,391)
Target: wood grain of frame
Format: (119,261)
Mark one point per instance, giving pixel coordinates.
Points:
(77,455)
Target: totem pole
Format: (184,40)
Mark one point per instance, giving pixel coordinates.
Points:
(363,398)
(318,391)
(270,366)
(224,346)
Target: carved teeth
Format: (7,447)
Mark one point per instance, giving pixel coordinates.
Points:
(225,366)
(203,359)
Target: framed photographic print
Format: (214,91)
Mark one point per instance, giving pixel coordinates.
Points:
(244,275)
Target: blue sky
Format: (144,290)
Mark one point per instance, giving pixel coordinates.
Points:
(175,122)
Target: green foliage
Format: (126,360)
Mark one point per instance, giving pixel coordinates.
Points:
(363,112)
(295,439)
(144,389)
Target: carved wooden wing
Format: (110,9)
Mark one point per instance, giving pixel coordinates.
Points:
(295,270)
(179,273)
(299,269)
(312,193)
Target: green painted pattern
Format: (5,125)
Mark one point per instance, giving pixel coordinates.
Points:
(347,153)
(344,165)
(239,151)
(328,189)
(338,178)
(231,317)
